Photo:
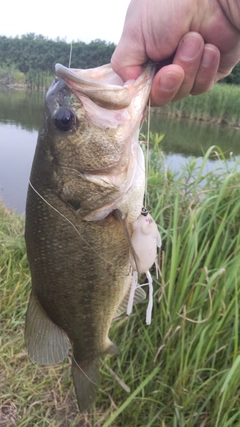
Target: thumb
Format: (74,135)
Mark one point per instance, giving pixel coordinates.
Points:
(130,53)
(127,62)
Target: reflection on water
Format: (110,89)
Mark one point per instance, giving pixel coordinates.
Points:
(17,147)
(176,163)
(22,108)
(192,138)
(21,116)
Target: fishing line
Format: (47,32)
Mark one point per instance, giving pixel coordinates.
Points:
(68,220)
(70,56)
(147,152)
(84,373)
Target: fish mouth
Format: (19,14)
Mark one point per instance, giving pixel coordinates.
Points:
(102,85)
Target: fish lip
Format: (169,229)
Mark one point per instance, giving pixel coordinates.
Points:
(80,76)
(102,85)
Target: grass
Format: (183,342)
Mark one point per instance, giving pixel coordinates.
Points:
(184,369)
(10,75)
(32,79)
(221,105)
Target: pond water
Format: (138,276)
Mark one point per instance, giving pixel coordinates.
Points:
(20,119)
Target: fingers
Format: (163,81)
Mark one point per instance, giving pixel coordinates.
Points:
(200,64)
(166,84)
(194,71)
(208,70)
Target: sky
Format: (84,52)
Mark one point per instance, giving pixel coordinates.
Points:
(83,20)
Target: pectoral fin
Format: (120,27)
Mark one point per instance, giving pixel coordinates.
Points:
(46,343)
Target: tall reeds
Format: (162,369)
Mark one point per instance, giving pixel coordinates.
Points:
(37,79)
(221,105)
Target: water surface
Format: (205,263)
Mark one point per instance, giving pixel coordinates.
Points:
(21,114)
(17,146)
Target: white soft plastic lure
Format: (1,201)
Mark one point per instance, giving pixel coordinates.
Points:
(145,240)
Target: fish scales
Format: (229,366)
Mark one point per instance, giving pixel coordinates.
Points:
(91,271)
(87,164)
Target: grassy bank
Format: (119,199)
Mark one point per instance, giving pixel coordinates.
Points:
(220,105)
(12,77)
(184,369)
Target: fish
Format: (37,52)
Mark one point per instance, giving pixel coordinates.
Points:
(86,190)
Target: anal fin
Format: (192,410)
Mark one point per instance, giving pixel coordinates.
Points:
(139,296)
(111,349)
(46,343)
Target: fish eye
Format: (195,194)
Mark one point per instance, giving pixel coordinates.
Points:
(64,119)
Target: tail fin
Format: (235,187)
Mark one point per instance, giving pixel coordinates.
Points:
(86,380)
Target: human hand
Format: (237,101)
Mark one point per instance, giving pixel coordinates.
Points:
(195,43)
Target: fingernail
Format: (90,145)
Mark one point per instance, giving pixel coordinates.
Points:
(208,57)
(189,48)
(169,82)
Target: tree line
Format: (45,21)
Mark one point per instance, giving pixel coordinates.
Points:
(35,52)
(35,55)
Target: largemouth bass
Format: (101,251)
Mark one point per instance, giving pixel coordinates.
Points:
(88,169)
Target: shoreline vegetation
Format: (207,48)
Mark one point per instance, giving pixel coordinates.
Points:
(220,105)
(183,369)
